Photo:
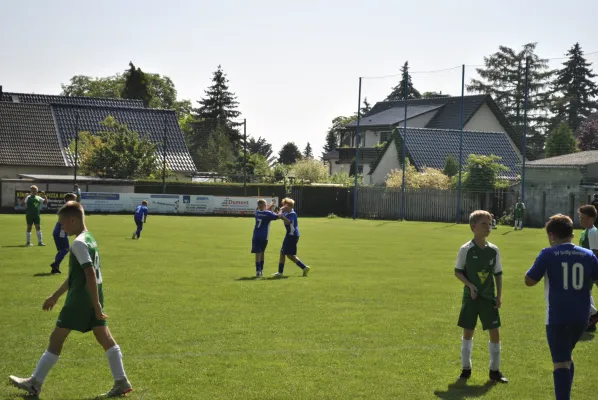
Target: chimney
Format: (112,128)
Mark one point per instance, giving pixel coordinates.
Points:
(0,92)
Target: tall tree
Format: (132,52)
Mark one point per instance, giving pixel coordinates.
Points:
(398,92)
(576,91)
(109,87)
(503,77)
(136,85)
(259,146)
(434,95)
(560,141)
(587,139)
(289,154)
(366,108)
(308,152)
(216,153)
(331,142)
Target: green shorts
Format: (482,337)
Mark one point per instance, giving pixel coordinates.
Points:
(79,320)
(33,220)
(482,308)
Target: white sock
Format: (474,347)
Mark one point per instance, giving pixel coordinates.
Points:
(466,347)
(44,365)
(115,361)
(39,236)
(494,356)
(521,224)
(28,234)
(593,310)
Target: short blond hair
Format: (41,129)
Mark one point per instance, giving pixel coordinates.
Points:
(478,215)
(33,187)
(289,201)
(144,202)
(261,202)
(70,197)
(71,209)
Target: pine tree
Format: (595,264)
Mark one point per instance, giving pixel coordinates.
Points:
(136,85)
(220,105)
(367,107)
(451,166)
(560,141)
(289,154)
(331,142)
(503,77)
(308,152)
(398,92)
(576,88)
(587,138)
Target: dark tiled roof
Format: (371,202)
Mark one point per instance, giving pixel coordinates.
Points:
(394,115)
(430,148)
(74,100)
(367,155)
(28,136)
(580,159)
(148,122)
(330,155)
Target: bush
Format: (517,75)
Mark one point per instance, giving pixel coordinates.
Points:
(310,170)
(508,217)
(429,178)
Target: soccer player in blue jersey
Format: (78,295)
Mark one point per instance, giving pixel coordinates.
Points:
(61,239)
(569,273)
(289,244)
(261,232)
(140,217)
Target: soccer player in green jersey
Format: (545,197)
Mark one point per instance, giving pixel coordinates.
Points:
(83,307)
(519,209)
(589,240)
(478,266)
(33,204)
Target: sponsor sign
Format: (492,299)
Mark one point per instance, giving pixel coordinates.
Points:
(55,200)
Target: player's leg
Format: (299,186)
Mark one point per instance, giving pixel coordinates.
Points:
(38,231)
(139,228)
(28,233)
(33,384)
(299,263)
(561,343)
(122,385)
(468,318)
(490,319)
(281,260)
(593,316)
(521,220)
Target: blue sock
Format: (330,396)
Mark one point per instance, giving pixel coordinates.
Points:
(300,264)
(261,266)
(280,268)
(562,383)
(257,266)
(572,370)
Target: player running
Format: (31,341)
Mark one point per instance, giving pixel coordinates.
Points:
(33,204)
(570,272)
(140,218)
(61,239)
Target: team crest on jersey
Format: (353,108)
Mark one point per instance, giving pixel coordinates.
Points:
(483,276)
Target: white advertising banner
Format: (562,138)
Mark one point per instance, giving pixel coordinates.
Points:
(170,203)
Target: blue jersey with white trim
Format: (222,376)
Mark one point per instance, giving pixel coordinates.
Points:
(140,212)
(261,231)
(569,272)
(293,227)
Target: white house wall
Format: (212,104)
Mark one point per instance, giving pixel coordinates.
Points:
(388,162)
(484,120)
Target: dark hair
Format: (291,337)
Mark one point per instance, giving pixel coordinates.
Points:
(70,197)
(588,210)
(71,209)
(560,225)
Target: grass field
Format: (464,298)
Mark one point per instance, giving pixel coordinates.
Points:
(376,318)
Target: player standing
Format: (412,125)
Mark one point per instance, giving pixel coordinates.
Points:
(519,209)
(478,265)
(61,239)
(78,194)
(589,240)
(261,233)
(33,204)
(83,307)
(289,244)
(570,272)
(140,218)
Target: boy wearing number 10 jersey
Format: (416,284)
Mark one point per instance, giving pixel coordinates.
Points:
(83,307)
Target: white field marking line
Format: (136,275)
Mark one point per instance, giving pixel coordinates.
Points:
(356,350)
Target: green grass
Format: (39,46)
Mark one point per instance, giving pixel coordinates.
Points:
(376,319)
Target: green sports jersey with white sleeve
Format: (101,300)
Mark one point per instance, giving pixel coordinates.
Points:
(589,239)
(84,254)
(519,208)
(480,266)
(33,205)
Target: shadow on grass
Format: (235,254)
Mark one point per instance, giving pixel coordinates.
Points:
(587,336)
(255,278)
(13,247)
(44,274)
(461,390)
(446,226)
(507,232)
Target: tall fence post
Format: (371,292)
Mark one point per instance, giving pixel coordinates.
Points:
(244,157)
(357,137)
(76,146)
(404,147)
(164,158)
(461,144)
(524,140)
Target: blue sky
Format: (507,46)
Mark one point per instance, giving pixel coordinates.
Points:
(293,67)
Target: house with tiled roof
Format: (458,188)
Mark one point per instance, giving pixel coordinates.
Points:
(37,130)
(435,121)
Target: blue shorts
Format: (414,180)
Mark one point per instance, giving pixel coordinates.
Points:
(562,340)
(289,245)
(61,243)
(258,245)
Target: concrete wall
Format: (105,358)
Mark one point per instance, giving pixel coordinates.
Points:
(13,171)
(388,162)
(7,189)
(484,120)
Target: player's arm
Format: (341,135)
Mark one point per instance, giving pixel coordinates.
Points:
(51,301)
(92,286)
(145,216)
(44,197)
(537,271)
(460,272)
(498,278)
(24,201)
